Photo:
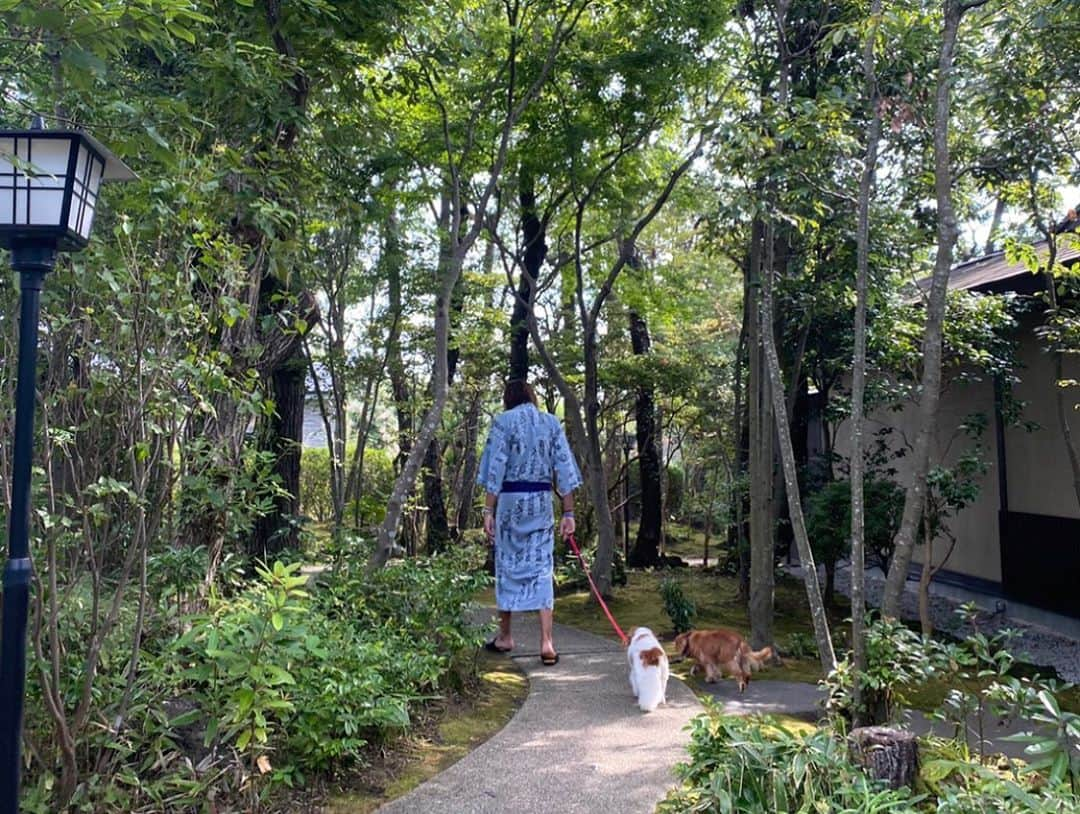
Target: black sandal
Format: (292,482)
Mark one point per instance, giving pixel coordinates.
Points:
(549,661)
(491,647)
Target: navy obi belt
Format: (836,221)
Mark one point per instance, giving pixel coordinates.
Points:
(526,486)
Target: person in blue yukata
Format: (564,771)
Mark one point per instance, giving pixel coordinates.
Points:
(524,449)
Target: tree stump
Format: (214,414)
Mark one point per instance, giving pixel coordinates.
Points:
(887,754)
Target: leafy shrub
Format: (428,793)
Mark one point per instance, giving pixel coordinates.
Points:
(1055,750)
(267,686)
(801,646)
(753,766)
(316,499)
(748,766)
(676,490)
(828,523)
(958,785)
(896,658)
(678,606)
(568,573)
(241,658)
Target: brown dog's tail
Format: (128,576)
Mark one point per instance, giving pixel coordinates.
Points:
(750,661)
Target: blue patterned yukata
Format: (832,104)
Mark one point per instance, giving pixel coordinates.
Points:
(526,446)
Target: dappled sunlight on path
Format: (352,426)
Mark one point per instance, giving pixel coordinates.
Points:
(578,744)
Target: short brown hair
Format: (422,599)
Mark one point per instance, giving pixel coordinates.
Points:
(518,392)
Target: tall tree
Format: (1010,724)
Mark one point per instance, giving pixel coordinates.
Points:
(646,550)
(947,232)
(858,367)
(760,465)
(534,250)
(504,100)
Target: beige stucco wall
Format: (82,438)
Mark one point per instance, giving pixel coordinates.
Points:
(977,552)
(1037,464)
(1040,476)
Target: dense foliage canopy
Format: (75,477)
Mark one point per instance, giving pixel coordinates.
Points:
(369,213)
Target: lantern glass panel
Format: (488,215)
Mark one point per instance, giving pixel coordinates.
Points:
(7,181)
(33,174)
(88,173)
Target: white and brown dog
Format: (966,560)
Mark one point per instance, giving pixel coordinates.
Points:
(648,669)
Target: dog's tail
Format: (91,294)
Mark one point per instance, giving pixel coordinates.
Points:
(750,661)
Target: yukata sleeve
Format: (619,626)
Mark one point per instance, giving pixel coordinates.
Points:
(567,475)
(493,461)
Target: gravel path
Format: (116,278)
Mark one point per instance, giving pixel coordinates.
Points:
(1035,644)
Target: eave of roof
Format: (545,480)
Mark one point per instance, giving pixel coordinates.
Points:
(994,273)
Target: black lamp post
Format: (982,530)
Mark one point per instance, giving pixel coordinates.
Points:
(627,447)
(49,182)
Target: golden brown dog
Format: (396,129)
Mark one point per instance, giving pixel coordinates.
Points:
(722,651)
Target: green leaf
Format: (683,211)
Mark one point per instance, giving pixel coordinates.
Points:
(1040,747)
(276,675)
(1050,703)
(934,771)
(277,621)
(186,718)
(1060,767)
(186,34)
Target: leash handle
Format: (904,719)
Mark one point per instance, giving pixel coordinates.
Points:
(596,591)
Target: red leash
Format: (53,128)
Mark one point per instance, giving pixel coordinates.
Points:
(596,591)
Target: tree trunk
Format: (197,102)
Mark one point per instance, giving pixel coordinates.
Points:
(464,497)
(393,262)
(403,484)
(438,523)
(451,261)
(283,366)
(646,550)
(283,435)
(762,433)
(1060,390)
(995,222)
(597,474)
(581,427)
(710,509)
(858,376)
(915,497)
(791,480)
(887,754)
(927,573)
(741,430)
(532,230)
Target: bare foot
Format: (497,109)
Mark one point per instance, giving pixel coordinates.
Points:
(500,644)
